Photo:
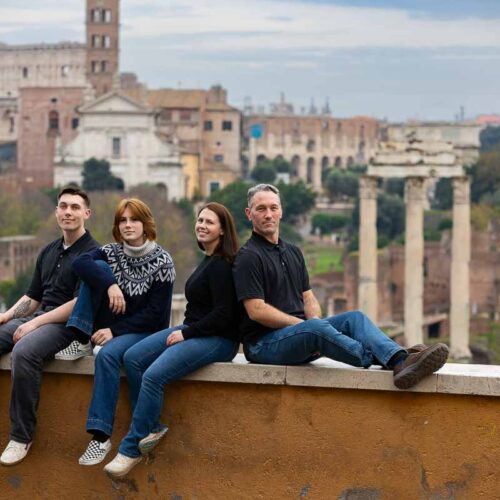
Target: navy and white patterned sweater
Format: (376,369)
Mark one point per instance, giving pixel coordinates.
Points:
(146,282)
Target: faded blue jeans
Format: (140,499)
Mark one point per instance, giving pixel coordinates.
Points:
(349,337)
(90,313)
(151,365)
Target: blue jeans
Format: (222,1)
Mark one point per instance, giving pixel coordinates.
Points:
(90,313)
(151,365)
(350,337)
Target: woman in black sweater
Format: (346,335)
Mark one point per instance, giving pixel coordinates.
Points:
(209,334)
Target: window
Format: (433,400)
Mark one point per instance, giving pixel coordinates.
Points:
(64,70)
(208,125)
(227,125)
(185,116)
(53,121)
(219,158)
(107,15)
(74,123)
(104,66)
(106,42)
(25,72)
(339,127)
(116,147)
(166,114)
(96,15)
(213,186)
(96,41)
(95,66)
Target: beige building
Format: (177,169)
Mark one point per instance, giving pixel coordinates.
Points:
(204,125)
(122,131)
(311,143)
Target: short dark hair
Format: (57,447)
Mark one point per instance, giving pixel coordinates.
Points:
(261,187)
(228,244)
(76,191)
(139,210)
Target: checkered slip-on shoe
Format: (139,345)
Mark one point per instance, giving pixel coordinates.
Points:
(74,351)
(95,453)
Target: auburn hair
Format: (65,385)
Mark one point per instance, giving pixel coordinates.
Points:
(141,212)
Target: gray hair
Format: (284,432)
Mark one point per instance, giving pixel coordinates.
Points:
(261,187)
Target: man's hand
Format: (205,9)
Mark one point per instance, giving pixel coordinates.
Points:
(175,337)
(116,299)
(102,336)
(4,318)
(24,329)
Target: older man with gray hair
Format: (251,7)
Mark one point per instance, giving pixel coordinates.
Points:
(281,322)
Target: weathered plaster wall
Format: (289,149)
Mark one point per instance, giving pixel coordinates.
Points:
(247,441)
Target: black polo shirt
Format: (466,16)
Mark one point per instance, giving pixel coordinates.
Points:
(276,274)
(53,282)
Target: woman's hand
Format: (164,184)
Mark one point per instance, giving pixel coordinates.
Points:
(102,336)
(174,337)
(116,299)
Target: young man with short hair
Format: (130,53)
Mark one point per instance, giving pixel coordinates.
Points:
(282,324)
(34,328)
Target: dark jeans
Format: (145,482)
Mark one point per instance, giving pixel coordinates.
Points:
(28,356)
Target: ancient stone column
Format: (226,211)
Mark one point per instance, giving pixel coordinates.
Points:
(460,259)
(317,175)
(414,260)
(367,268)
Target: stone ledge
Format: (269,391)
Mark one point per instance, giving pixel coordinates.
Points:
(481,380)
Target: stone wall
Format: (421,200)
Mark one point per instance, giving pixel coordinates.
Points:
(322,431)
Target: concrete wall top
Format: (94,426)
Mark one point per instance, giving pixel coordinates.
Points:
(453,378)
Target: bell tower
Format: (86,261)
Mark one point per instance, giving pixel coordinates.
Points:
(102,29)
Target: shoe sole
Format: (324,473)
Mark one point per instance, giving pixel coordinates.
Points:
(8,464)
(429,363)
(116,475)
(72,358)
(146,447)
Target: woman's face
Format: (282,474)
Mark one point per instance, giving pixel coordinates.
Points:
(131,229)
(208,229)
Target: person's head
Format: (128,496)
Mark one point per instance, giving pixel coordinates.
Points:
(72,210)
(264,210)
(216,231)
(134,222)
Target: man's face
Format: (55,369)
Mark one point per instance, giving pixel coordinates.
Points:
(71,212)
(265,213)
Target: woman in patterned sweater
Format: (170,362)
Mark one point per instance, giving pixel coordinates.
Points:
(126,294)
(209,334)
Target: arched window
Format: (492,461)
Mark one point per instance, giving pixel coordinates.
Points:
(310,170)
(295,165)
(53,121)
(338,162)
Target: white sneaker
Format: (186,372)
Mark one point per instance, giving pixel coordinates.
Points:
(95,453)
(74,351)
(14,453)
(151,440)
(121,465)
(96,349)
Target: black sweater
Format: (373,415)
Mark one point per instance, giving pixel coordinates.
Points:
(211,301)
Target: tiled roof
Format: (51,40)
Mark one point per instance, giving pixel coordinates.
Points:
(173,98)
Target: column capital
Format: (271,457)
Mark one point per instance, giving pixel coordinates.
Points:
(414,189)
(368,187)
(461,190)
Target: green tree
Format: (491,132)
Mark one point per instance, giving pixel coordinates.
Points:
(12,291)
(490,138)
(297,199)
(264,172)
(97,176)
(328,223)
(485,176)
(234,197)
(443,195)
(340,184)
(395,185)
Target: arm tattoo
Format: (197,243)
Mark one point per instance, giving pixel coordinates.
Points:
(22,309)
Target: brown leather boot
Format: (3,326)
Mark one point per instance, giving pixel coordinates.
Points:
(421,362)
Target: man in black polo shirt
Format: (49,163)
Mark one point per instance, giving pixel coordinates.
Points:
(282,324)
(34,328)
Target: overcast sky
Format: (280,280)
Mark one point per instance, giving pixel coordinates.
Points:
(398,59)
